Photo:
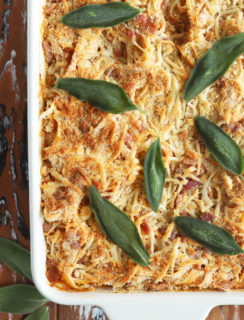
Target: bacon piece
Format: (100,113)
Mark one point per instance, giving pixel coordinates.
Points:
(174,234)
(48,51)
(76,244)
(81,260)
(53,275)
(85,201)
(237,126)
(108,197)
(145,228)
(145,23)
(207,217)
(97,184)
(178,199)
(151,25)
(191,184)
(84,126)
(120,52)
(159,286)
(199,251)
(73,238)
(131,33)
(130,85)
(225,127)
(162,230)
(129,140)
(46,227)
(232,205)
(60,194)
(78,179)
(50,263)
(140,20)
(202,147)
(232,127)
(63,194)
(117,53)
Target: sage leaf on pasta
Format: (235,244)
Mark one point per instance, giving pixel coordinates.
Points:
(154,175)
(39,314)
(100,15)
(106,96)
(20,299)
(221,146)
(118,227)
(15,257)
(213,64)
(209,235)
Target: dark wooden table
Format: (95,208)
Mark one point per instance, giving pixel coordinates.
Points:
(14,211)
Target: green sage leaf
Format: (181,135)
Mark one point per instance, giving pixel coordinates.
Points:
(100,15)
(106,96)
(221,146)
(15,257)
(154,175)
(39,314)
(20,299)
(118,227)
(209,235)
(213,64)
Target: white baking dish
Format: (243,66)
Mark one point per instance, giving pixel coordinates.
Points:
(118,306)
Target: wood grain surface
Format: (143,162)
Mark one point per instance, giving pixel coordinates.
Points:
(14,212)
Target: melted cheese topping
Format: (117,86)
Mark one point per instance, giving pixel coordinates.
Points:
(151,57)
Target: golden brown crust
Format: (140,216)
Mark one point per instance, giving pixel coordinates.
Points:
(151,57)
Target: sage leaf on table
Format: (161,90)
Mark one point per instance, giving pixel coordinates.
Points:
(100,15)
(209,235)
(154,175)
(221,146)
(106,96)
(213,65)
(39,314)
(15,257)
(118,227)
(20,299)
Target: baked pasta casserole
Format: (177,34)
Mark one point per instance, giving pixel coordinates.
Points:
(150,57)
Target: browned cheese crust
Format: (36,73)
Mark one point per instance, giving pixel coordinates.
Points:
(151,57)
